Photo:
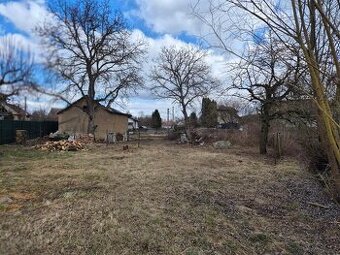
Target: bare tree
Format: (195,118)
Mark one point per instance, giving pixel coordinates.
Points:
(267,76)
(312,25)
(40,114)
(92,53)
(182,75)
(16,68)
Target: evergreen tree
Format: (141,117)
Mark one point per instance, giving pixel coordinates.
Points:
(156,120)
(209,113)
(193,119)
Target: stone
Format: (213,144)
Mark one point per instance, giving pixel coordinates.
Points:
(184,138)
(222,145)
(5,200)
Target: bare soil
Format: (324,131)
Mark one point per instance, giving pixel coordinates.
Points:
(161,198)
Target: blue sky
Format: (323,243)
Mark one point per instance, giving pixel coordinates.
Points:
(161,22)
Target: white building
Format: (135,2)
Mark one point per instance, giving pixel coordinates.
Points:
(132,123)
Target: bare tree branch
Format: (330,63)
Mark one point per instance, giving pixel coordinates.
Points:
(16,68)
(182,75)
(91,52)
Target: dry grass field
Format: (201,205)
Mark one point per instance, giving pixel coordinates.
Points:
(161,198)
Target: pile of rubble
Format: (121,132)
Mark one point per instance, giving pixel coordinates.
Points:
(62,145)
(83,138)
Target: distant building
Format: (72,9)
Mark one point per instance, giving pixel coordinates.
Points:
(12,112)
(227,117)
(133,123)
(74,120)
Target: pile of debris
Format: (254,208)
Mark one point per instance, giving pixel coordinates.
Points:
(63,145)
(57,136)
(203,136)
(82,138)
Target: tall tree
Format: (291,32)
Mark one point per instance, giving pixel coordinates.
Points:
(156,120)
(312,25)
(91,52)
(209,113)
(182,75)
(267,76)
(16,68)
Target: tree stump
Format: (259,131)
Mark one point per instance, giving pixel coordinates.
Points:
(21,136)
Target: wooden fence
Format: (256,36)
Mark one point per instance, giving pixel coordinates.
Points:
(34,129)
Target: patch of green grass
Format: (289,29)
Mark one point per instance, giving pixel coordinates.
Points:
(19,168)
(22,153)
(11,152)
(294,248)
(193,251)
(2,207)
(231,246)
(259,238)
(210,220)
(292,206)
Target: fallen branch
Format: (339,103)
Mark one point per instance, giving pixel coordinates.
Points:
(318,205)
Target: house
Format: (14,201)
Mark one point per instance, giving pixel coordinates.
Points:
(132,123)
(53,114)
(12,112)
(74,120)
(227,117)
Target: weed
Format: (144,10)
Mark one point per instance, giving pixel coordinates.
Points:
(294,248)
(260,238)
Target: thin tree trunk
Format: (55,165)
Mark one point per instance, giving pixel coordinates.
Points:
(330,131)
(327,124)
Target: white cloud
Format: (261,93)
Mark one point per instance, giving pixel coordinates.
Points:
(18,40)
(167,16)
(25,14)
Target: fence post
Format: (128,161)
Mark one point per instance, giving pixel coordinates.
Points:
(277,146)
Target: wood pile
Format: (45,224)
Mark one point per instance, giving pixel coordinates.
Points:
(63,145)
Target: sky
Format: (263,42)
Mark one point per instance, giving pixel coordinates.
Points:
(159,22)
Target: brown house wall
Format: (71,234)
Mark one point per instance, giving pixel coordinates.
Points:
(75,121)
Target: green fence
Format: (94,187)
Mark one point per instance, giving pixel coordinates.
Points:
(34,129)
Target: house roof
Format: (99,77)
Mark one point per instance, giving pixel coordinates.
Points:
(13,109)
(134,119)
(108,109)
(54,111)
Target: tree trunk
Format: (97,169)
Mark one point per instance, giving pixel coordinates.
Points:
(326,122)
(186,122)
(91,109)
(336,105)
(91,112)
(265,124)
(264,135)
(330,132)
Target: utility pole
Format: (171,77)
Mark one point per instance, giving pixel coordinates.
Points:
(168,116)
(25,108)
(173,113)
